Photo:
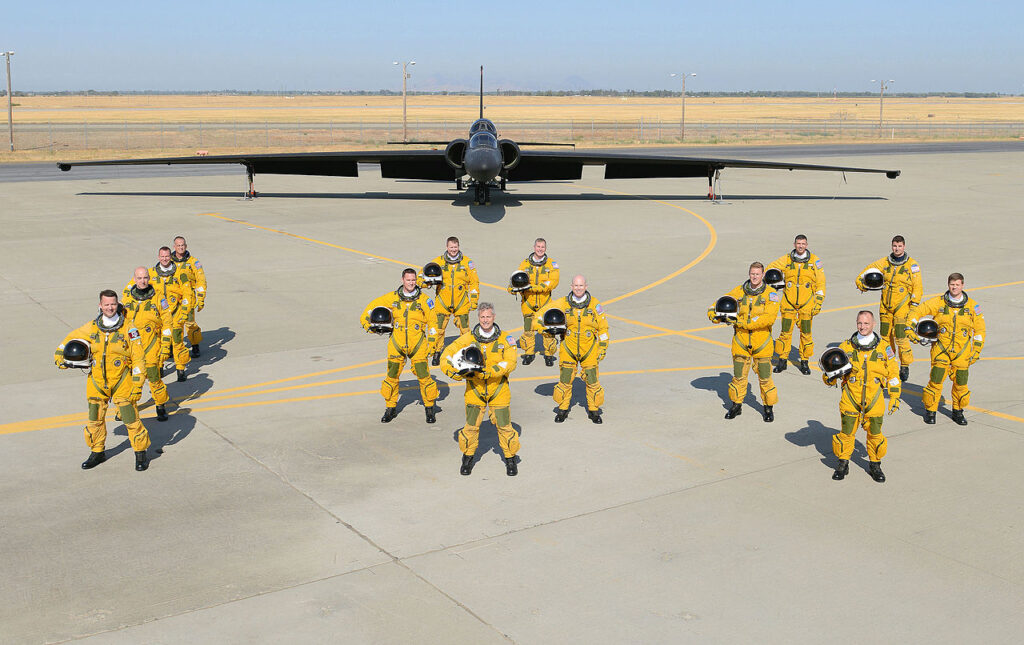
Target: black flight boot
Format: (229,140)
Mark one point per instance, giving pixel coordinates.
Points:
(195,351)
(549,360)
(528,358)
(805,369)
(389,414)
(561,415)
(95,459)
(769,414)
(781,365)
(181,375)
(875,469)
(958,417)
(929,417)
(467,465)
(510,466)
(141,460)
(594,415)
(842,469)
(161,413)
(904,373)
(431,413)
(735,411)
(436,360)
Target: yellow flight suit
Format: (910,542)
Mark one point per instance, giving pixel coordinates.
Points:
(142,309)
(543,280)
(874,371)
(116,376)
(197,276)
(901,293)
(486,389)
(457,295)
(583,347)
(802,298)
(412,336)
(961,339)
(176,299)
(752,340)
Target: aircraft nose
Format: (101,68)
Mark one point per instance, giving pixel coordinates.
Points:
(483,165)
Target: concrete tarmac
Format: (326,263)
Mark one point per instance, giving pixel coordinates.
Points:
(279,509)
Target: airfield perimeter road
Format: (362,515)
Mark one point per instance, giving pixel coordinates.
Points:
(281,510)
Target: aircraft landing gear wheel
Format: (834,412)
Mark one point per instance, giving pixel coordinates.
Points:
(503,183)
(477,195)
(487,195)
(458,183)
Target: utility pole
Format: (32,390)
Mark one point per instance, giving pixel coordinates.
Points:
(405,76)
(882,87)
(10,105)
(682,115)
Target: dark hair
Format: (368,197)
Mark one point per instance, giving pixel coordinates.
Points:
(180,237)
(407,271)
(899,238)
(866,311)
(800,237)
(756,264)
(451,239)
(164,248)
(955,276)
(108,293)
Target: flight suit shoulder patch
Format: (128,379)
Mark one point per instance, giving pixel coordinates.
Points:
(470,264)
(554,265)
(774,296)
(818,263)
(199,264)
(599,309)
(977,309)
(133,334)
(510,340)
(430,302)
(889,353)
(915,268)
(163,303)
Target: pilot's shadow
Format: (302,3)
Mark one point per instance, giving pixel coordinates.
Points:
(720,385)
(212,347)
(911,398)
(579,392)
(161,433)
(409,393)
(488,441)
(819,435)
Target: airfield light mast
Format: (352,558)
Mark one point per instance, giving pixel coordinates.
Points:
(10,109)
(405,76)
(682,116)
(882,87)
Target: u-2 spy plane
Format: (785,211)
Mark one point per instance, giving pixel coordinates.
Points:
(481,162)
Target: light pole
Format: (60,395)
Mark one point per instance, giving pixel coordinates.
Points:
(10,109)
(405,76)
(882,87)
(682,115)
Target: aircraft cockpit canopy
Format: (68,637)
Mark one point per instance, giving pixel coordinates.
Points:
(482,125)
(483,140)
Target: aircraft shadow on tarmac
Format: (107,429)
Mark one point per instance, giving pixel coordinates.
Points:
(720,384)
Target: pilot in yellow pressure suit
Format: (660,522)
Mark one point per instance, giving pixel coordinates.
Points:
(583,348)
(752,341)
(543,272)
(174,289)
(197,276)
(959,344)
(410,337)
(142,308)
(874,370)
(901,292)
(486,387)
(116,375)
(457,294)
(802,298)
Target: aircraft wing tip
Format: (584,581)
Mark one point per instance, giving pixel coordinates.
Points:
(892,174)
(64,166)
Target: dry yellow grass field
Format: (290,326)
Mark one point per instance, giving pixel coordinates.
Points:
(100,126)
(277,109)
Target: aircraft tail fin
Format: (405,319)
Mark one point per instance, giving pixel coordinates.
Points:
(481,91)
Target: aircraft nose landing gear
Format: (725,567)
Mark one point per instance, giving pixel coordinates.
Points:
(481,195)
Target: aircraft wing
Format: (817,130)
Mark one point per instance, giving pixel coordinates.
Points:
(540,165)
(534,165)
(397,164)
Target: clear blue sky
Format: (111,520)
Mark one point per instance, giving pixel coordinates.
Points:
(730,44)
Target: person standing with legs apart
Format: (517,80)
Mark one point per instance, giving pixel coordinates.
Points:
(900,284)
(803,275)
(542,278)
(457,292)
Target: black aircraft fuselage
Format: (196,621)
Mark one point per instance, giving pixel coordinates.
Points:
(483,157)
